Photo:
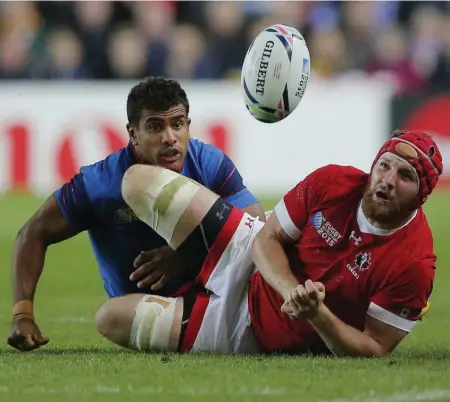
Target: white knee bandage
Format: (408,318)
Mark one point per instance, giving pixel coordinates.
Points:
(165,199)
(152,324)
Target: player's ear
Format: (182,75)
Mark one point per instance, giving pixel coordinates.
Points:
(189,121)
(131,133)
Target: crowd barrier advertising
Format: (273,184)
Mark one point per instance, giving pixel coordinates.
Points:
(49,130)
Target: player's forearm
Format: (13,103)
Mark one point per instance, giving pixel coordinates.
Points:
(28,262)
(342,339)
(271,261)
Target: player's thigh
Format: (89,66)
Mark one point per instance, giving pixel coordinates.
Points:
(172,204)
(141,322)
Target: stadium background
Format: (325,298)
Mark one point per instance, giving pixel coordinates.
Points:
(65,71)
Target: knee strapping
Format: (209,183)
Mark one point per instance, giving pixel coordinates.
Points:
(152,324)
(164,201)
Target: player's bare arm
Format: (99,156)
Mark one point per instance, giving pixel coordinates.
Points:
(378,339)
(47,226)
(271,259)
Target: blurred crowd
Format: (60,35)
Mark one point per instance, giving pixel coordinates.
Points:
(408,42)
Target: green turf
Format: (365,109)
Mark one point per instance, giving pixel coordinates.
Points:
(78,365)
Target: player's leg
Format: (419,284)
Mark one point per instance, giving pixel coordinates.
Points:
(179,209)
(187,215)
(145,322)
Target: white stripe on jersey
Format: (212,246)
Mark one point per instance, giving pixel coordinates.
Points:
(286,222)
(392,319)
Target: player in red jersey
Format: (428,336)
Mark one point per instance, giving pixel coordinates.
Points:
(344,264)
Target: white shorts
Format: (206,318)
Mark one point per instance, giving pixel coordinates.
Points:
(220,322)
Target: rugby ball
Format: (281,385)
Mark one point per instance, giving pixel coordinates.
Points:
(275,73)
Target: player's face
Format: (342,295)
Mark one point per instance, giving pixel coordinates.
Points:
(162,138)
(392,188)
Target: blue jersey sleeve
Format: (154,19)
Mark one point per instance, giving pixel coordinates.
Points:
(75,204)
(228,183)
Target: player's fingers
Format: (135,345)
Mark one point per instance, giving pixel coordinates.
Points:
(294,305)
(302,295)
(29,343)
(143,257)
(150,279)
(320,286)
(311,290)
(160,284)
(40,340)
(15,341)
(287,309)
(142,271)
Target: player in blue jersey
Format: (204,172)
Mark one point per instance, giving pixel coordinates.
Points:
(158,127)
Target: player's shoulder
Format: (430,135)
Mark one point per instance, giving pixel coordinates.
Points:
(202,151)
(419,237)
(340,174)
(203,162)
(333,183)
(413,254)
(105,176)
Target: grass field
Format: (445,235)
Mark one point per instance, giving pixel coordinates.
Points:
(78,365)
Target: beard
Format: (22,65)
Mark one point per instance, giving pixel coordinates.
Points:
(389,213)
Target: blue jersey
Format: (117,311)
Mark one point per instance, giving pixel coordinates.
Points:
(92,201)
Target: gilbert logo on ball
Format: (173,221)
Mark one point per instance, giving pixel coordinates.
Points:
(275,73)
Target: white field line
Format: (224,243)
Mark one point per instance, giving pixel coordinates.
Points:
(425,395)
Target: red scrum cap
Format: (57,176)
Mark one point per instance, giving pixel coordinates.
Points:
(422,153)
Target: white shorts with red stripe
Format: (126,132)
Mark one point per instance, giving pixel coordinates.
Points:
(220,320)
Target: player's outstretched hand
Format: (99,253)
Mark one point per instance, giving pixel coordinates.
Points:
(305,300)
(25,335)
(156,267)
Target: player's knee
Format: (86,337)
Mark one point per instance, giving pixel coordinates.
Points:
(113,320)
(158,196)
(142,322)
(156,324)
(135,181)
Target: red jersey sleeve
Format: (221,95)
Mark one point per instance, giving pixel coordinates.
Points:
(295,207)
(401,301)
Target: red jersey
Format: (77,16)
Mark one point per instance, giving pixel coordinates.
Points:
(365,270)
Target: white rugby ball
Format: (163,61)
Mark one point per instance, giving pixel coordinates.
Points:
(275,73)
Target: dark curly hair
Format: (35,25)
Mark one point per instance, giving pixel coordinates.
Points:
(156,94)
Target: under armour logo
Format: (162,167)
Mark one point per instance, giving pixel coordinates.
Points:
(220,214)
(249,222)
(357,240)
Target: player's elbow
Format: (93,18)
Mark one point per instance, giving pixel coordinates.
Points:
(375,350)
(382,353)
(376,353)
